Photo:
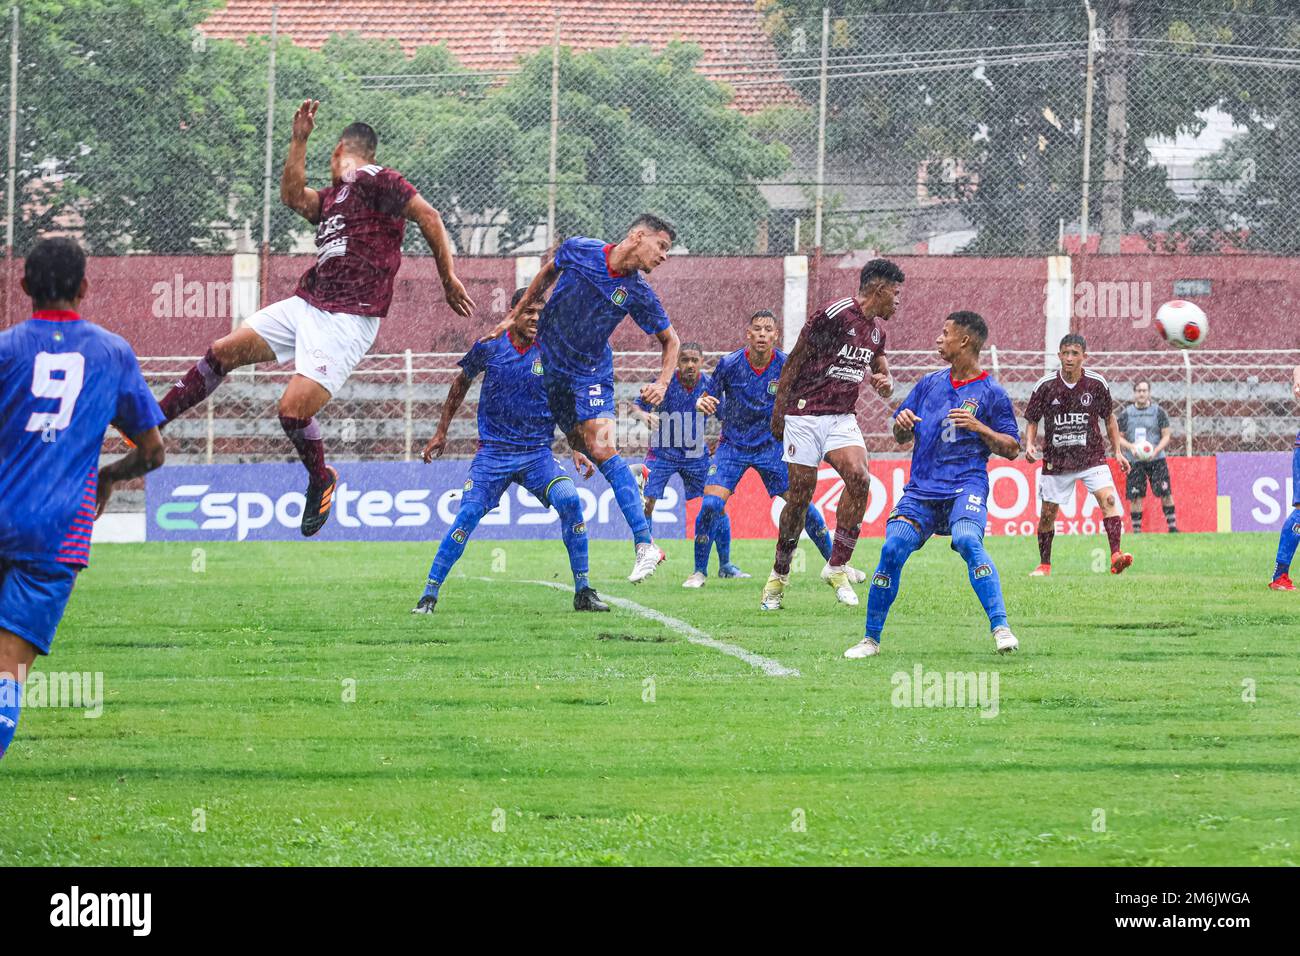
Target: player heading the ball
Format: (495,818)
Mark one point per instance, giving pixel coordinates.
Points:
(958,417)
(814,417)
(597,284)
(332,319)
(63,381)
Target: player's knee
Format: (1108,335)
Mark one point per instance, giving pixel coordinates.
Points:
(895,551)
(710,508)
(967,539)
(470,514)
(857,480)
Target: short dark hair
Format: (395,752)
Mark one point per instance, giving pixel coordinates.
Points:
(54,270)
(762,314)
(1141,381)
(691,347)
(655,224)
(879,269)
(361,137)
(1074,338)
(972,322)
(519,294)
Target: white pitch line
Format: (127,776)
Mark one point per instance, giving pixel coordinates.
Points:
(770,667)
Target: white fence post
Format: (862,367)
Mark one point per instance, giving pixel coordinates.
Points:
(1187,412)
(794,305)
(410,395)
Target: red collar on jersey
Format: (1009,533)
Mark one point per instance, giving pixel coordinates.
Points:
(612,274)
(56,315)
(957,384)
(757,370)
(511,336)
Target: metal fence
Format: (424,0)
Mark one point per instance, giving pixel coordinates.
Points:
(1216,401)
(980,126)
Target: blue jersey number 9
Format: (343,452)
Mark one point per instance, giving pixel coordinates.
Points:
(65,387)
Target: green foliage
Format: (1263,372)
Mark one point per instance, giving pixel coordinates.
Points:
(155,137)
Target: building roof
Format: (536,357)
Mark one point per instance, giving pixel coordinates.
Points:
(490,35)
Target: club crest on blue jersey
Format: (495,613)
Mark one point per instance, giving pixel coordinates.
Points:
(537,366)
(771,388)
(619,296)
(469,483)
(970,405)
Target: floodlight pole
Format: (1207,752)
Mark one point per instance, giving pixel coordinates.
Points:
(1089,83)
(265,264)
(821,162)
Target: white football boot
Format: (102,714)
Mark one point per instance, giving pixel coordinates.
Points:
(1005,640)
(774,592)
(648,557)
(864,648)
(855,576)
(838,578)
(696,580)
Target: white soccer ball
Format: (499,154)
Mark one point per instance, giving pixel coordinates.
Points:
(1183,324)
(1143,450)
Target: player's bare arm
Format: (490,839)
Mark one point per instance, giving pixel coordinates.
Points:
(1166,436)
(904,425)
(1001,444)
(789,373)
(1112,426)
(671,345)
(537,290)
(708,404)
(294,191)
(455,398)
(147,455)
(582,464)
(650,418)
(881,380)
(431,226)
(1295,383)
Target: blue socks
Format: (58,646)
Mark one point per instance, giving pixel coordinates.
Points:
(901,539)
(627,495)
(1287,544)
(712,526)
(815,525)
(968,541)
(453,544)
(564,499)
(11,696)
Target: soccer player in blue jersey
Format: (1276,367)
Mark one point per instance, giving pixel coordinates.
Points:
(743,394)
(597,284)
(63,381)
(515,428)
(677,447)
(958,417)
(1290,536)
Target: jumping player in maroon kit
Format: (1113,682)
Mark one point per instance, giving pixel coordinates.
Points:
(331,321)
(841,344)
(1073,403)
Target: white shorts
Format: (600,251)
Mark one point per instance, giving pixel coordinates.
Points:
(325,346)
(1058,488)
(808,438)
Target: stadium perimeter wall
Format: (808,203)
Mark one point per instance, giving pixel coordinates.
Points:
(175,305)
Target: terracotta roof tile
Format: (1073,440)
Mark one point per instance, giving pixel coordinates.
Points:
(490,35)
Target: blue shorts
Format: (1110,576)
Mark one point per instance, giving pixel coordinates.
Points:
(579,398)
(730,463)
(938,515)
(33,595)
(694,472)
(492,471)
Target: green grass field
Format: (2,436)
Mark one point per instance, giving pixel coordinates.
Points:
(506,729)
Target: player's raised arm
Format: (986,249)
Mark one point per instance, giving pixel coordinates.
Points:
(431,226)
(537,290)
(294,191)
(455,398)
(671,345)
(147,455)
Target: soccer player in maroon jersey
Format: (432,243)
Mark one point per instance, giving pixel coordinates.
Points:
(841,344)
(329,324)
(1073,403)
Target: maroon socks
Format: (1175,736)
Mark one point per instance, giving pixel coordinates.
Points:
(305,435)
(1114,528)
(1045,546)
(846,539)
(784,553)
(196,385)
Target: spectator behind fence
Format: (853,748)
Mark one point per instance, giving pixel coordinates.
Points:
(1145,421)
